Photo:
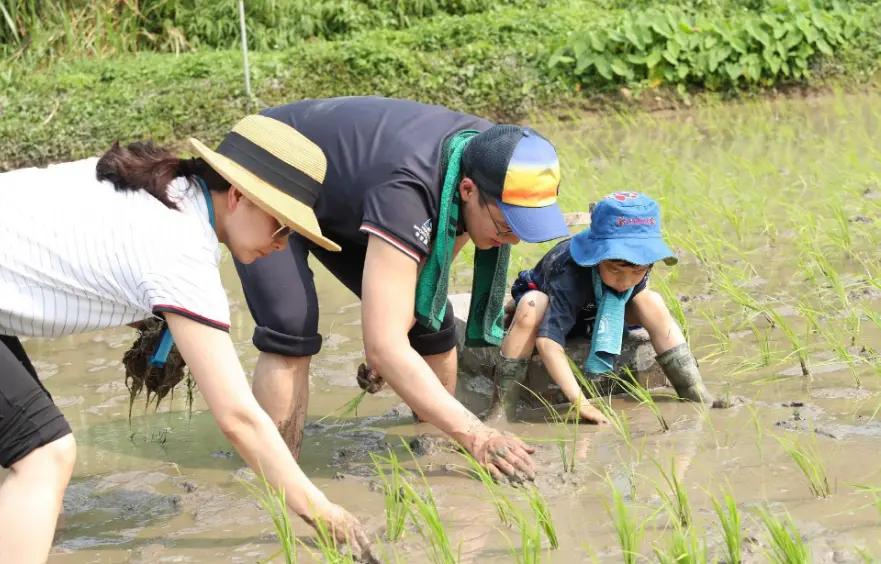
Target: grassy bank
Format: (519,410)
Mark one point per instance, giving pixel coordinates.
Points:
(502,64)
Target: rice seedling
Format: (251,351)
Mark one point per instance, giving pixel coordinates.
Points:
(833,339)
(685,546)
(529,551)
(723,336)
(505,509)
(799,345)
(760,436)
(809,461)
(425,517)
(784,539)
(542,514)
(676,499)
(561,431)
(393,495)
(273,502)
(643,396)
(876,499)
(628,529)
(348,408)
(730,527)
(841,236)
(763,342)
(327,546)
(618,421)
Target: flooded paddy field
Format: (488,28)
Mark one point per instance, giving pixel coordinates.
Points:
(775,210)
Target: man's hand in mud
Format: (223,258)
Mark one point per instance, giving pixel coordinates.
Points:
(369,379)
(504,455)
(344,528)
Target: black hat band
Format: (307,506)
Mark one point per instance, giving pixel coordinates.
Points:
(269,168)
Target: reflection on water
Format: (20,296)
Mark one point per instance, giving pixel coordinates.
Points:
(165,487)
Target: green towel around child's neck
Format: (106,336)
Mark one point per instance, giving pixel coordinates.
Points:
(489,286)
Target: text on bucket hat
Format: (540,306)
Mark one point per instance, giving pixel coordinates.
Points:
(519,168)
(277,168)
(623,226)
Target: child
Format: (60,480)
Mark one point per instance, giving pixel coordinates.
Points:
(591,284)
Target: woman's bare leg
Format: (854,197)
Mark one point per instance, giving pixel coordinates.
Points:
(31,499)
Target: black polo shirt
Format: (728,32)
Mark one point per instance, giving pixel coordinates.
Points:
(383,165)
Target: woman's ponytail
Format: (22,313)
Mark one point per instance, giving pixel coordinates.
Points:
(142,166)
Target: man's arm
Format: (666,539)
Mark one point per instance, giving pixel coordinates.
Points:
(388,302)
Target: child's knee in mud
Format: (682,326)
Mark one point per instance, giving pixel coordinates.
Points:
(530,310)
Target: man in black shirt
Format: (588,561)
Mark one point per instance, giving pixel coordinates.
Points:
(380,202)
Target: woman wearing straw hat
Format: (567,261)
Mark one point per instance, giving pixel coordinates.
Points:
(408,184)
(81,252)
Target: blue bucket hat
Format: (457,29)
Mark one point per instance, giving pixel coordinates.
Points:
(623,226)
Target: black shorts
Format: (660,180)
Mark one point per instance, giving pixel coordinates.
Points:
(29,418)
(280,292)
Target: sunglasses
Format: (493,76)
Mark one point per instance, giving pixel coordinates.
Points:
(283,232)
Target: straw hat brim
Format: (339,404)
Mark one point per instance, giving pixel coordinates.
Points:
(286,209)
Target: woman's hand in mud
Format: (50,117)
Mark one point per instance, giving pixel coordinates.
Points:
(592,415)
(369,379)
(344,528)
(504,455)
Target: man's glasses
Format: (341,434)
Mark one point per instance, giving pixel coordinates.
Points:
(485,204)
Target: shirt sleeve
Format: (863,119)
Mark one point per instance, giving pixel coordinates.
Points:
(188,284)
(566,297)
(400,212)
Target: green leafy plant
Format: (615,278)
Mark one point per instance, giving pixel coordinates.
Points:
(670,46)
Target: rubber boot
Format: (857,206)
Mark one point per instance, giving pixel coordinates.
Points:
(681,370)
(509,374)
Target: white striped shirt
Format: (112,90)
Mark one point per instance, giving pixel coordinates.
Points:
(77,256)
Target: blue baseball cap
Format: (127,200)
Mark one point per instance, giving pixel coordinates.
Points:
(520,169)
(623,226)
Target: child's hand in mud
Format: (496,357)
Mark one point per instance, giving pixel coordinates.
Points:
(345,528)
(369,379)
(504,455)
(593,415)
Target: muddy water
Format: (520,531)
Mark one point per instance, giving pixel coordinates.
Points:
(166,488)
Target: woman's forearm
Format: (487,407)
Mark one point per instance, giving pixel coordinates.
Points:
(257,440)
(211,357)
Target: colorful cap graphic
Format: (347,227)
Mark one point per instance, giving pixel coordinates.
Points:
(623,226)
(520,169)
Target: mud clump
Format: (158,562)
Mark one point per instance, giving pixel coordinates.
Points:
(427,445)
(158,381)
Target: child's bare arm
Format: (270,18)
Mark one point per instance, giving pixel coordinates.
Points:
(557,364)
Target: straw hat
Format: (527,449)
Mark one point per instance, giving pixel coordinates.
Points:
(277,168)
